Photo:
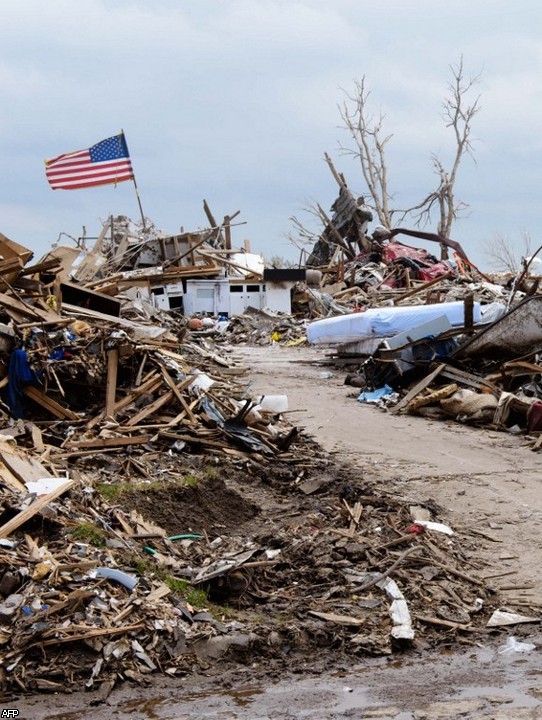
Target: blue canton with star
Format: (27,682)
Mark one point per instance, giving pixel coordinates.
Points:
(111,149)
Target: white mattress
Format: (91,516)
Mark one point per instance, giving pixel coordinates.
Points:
(384,322)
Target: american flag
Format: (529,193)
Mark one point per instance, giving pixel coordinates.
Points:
(106,162)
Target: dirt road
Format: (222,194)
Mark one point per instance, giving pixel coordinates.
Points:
(487,480)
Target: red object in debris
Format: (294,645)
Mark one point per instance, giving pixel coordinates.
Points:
(534,416)
(195,324)
(427,266)
(414,528)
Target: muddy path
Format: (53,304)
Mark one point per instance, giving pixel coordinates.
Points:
(486,480)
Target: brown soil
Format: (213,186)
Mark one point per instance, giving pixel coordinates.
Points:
(209,505)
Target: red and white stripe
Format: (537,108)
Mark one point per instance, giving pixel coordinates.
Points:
(76,170)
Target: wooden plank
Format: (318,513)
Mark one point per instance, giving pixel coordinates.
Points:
(421,288)
(111,387)
(37,437)
(10,303)
(427,380)
(24,468)
(79,453)
(49,404)
(34,509)
(110,442)
(10,480)
(347,620)
(465,378)
(150,409)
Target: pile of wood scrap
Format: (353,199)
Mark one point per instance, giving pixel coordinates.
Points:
(126,257)
(508,399)
(143,563)
(365,268)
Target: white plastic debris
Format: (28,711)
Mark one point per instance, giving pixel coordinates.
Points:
(201,383)
(513,645)
(437,527)
(400,615)
(501,617)
(272,403)
(44,486)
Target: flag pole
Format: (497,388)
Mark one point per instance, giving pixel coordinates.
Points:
(135,186)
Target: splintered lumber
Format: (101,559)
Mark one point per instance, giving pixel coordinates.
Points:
(177,390)
(150,409)
(24,468)
(163,400)
(417,389)
(9,479)
(151,384)
(91,633)
(13,266)
(49,404)
(34,509)
(19,307)
(465,378)
(421,288)
(347,620)
(37,437)
(444,623)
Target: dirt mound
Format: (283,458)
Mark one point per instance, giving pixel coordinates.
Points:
(208,505)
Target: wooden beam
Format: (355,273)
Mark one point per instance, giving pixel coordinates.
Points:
(20,307)
(111,388)
(150,409)
(149,385)
(110,442)
(49,404)
(177,388)
(427,380)
(424,286)
(34,509)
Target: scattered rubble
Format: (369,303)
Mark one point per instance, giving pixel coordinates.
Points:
(445,339)
(155,517)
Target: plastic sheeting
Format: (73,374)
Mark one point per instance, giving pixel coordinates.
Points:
(384,322)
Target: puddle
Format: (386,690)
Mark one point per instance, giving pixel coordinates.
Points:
(474,683)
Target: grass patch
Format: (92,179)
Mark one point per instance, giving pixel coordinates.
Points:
(112,491)
(88,533)
(195,596)
(140,565)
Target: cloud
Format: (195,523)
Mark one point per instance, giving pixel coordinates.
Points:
(236,101)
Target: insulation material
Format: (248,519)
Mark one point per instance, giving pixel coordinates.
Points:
(384,322)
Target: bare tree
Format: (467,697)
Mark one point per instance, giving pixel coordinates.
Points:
(458,115)
(504,257)
(370,148)
(370,141)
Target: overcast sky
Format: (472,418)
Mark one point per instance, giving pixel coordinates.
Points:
(236,101)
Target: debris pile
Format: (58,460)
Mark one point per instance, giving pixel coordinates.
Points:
(146,498)
(393,325)
(109,576)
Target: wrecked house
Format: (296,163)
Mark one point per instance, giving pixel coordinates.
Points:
(192,272)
